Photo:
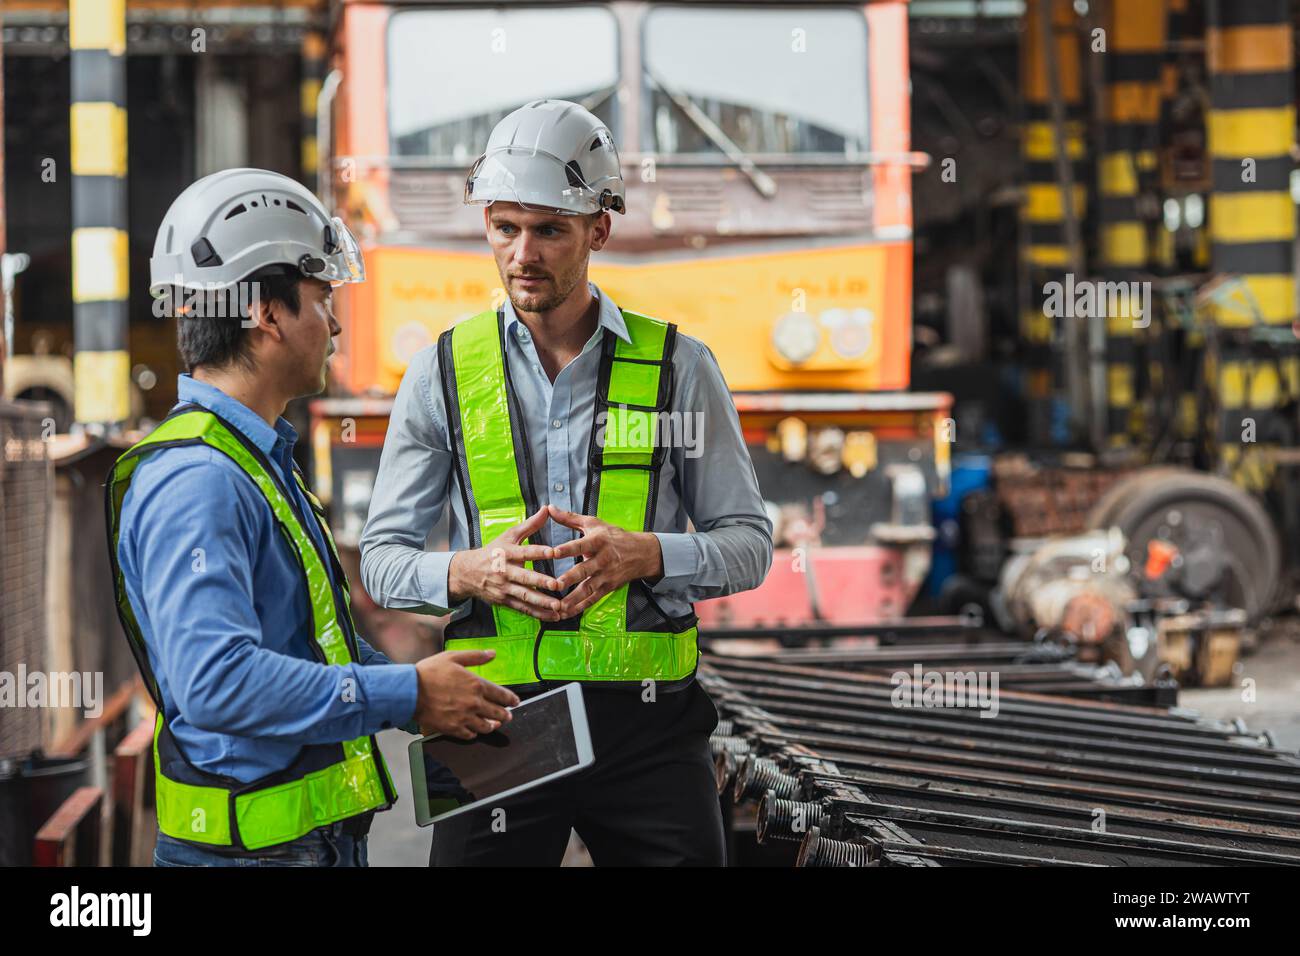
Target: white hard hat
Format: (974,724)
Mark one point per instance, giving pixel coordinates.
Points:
(231,224)
(552,155)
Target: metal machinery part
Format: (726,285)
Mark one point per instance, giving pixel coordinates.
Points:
(1176,569)
(1195,536)
(943,643)
(1078,584)
(832,771)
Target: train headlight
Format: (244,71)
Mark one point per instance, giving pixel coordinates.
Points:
(859,453)
(796,337)
(826,450)
(793,438)
(850,330)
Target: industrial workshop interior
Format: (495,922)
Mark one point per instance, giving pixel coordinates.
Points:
(635,434)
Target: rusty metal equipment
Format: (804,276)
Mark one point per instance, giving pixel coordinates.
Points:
(1042,500)
(1195,536)
(1079,583)
(1047,665)
(843,768)
(1177,569)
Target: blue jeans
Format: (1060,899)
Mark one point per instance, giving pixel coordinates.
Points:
(324,846)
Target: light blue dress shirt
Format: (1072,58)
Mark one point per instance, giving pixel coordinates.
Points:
(218,594)
(708,476)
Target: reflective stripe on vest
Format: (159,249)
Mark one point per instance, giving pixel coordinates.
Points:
(635,377)
(344,780)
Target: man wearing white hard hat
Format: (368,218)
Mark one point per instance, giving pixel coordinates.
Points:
(552,430)
(228,584)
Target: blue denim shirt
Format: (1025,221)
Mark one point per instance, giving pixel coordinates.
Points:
(219,597)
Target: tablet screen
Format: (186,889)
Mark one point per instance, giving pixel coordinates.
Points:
(538,742)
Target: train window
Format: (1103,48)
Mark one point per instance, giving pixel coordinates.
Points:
(787,82)
(452,74)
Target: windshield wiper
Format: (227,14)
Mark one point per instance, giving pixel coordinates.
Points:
(761,180)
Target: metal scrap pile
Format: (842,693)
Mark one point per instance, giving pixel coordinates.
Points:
(857,767)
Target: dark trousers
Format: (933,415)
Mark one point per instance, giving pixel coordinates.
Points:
(649,799)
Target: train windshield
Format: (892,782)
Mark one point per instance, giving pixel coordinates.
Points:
(453,74)
(772,82)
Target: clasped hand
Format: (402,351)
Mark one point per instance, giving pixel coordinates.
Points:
(609,557)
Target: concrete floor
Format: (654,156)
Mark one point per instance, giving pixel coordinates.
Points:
(395,840)
(1275,672)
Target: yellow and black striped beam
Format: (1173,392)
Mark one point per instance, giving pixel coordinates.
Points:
(1135,37)
(1135,43)
(1252,229)
(314,63)
(1251,128)
(1045,251)
(102,365)
(1178,30)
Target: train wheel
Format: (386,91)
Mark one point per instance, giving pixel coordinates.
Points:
(1226,541)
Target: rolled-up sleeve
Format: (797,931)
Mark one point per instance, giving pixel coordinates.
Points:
(730,549)
(221,677)
(409,497)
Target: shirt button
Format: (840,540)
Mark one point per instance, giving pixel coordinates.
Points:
(555,423)
(559,486)
(537,368)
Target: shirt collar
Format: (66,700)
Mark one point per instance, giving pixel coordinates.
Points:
(609,316)
(239,415)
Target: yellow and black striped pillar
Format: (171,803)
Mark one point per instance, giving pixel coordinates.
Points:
(1251,128)
(1165,254)
(1135,35)
(102,366)
(1135,43)
(1045,251)
(1176,31)
(1185,376)
(313,74)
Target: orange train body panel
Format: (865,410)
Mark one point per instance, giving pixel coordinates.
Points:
(731,303)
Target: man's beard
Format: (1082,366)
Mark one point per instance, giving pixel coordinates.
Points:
(541,301)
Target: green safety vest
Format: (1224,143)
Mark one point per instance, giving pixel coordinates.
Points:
(327,782)
(624,638)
